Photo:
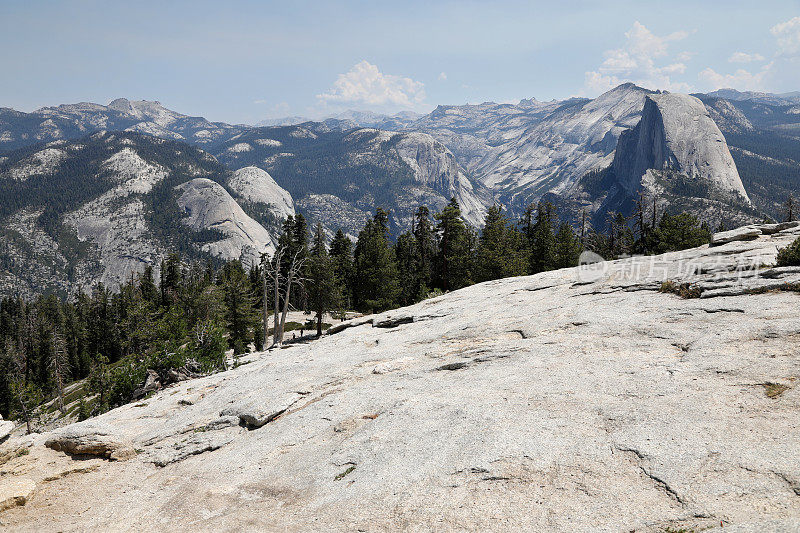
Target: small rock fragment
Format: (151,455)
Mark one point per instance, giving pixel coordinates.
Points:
(15,492)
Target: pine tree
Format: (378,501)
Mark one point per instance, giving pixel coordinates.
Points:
(454,261)
(59,368)
(301,249)
(679,232)
(405,255)
(342,255)
(147,285)
(567,247)
(376,287)
(621,238)
(424,253)
(500,251)
(171,278)
(542,239)
(239,313)
(294,242)
(322,287)
(527,222)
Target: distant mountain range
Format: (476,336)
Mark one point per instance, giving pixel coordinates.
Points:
(109,189)
(364,119)
(792,98)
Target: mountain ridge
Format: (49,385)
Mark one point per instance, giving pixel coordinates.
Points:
(337,172)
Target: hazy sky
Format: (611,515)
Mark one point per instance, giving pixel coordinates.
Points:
(242,61)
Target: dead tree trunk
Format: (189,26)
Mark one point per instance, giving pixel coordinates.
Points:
(59,366)
(292,277)
(272,273)
(265,302)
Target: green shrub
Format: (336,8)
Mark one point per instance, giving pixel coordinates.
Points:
(679,232)
(790,256)
(84,411)
(124,380)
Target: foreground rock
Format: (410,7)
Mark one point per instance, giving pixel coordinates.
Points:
(15,492)
(6,427)
(91,438)
(543,403)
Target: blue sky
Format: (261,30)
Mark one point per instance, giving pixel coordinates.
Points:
(243,61)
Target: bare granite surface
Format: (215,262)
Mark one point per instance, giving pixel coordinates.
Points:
(575,400)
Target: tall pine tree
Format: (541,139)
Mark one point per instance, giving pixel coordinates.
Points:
(542,239)
(323,290)
(454,261)
(424,253)
(500,249)
(375,287)
(342,255)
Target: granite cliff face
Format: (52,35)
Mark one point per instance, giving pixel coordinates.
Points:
(521,152)
(340,177)
(103,207)
(588,400)
(251,184)
(676,133)
(208,206)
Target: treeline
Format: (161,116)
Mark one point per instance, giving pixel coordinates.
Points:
(185,322)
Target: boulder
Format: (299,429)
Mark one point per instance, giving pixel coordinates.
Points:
(15,491)
(152,382)
(745,233)
(92,438)
(769,229)
(6,427)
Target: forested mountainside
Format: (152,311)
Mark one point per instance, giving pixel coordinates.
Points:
(764,139)
(520,152)
(100,208)
(81,207)
(340,177)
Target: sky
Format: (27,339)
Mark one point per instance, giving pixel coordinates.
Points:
(244,61)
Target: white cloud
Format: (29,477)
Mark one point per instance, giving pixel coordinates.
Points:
(781,70)
(788,37)
(742,79)
(743,57)
(364,84)
(636,62)
(443,76)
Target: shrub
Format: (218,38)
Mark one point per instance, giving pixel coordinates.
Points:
(124,380)
(684,290)
(84,411)
(790,256)
(679,232)
(774,390)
